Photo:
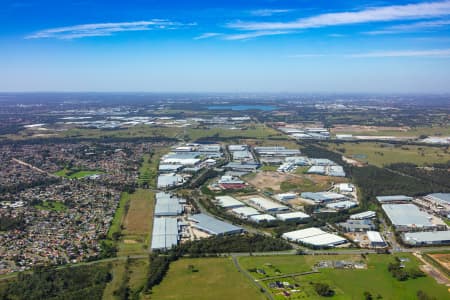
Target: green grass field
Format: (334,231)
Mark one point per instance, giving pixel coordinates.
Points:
(347,284)
(148,171)
(76,175)
(412,132)
(258,131)
(268,168)
(136,226)
(380,154)
(217,278)
(52,205)
(119,215)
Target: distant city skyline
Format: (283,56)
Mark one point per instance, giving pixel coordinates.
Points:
(225,46)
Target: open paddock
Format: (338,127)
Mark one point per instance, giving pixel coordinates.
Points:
(346,283)
(208,278)
(381,154)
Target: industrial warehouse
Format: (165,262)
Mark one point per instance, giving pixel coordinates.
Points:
(427,238)
(314,237)
(408,217)
(213,226)
(267,205)
(228,202)
(176,167)
(165,233)
(168,205)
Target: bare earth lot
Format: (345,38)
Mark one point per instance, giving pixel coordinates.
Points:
(282,182)
(442,259)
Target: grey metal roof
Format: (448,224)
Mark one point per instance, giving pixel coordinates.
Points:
(322,196)
(427,237)
(242,166)
(441,196)
(165,233)
(394,198)
(166,205)
(213,225)
(407,215)
(168,180)
(364,215)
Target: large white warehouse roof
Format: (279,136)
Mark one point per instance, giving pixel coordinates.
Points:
(407,215)
(268,205)
(245,211)
(297,215)
(314,236)
(228,202)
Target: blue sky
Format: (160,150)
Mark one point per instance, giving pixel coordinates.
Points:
(225,46)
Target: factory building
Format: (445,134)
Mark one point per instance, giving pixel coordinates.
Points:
(292,216)
(276,151)
(394,199)
(364,215)
(357,225)
(314,237)
(228,202)
(165,233)
(408,217)
(213,226)
(169,180)
(267,205)
(376,240)
(245,212)
(346,187)
(167,205)
(342,205)
(285,196)
(323,197)
(427,238)
(262,218)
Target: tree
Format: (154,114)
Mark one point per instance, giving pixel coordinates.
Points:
(323,289)
(367,295)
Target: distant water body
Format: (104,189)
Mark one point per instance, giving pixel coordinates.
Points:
(242,107)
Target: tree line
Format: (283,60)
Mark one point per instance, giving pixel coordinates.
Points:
(71,283)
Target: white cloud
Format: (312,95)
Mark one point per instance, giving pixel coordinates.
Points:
(103,29)
(417,26)
(207,35)
(406,53)
(308,55)
(336,35)
(374,14)
(251,35)
(381,54)
(269,12)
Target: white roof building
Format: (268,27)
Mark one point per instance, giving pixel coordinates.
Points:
(345,187)
(169,180)
(292,216)
(165,233)
(427,238)
(314,237)
(181,161)
(262,218)
(364,215)
(375,239)
(285,196)
(340,205)
(267,205)
(228,202)
(408,217)
(245,211)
